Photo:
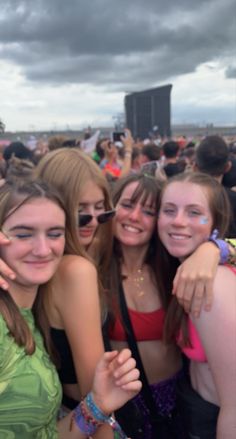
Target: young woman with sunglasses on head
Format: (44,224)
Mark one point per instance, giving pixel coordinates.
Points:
(30,391)
(192,206)
(75,301)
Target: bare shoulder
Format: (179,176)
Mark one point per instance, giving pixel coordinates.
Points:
(225,282)
(224,298)
(73,265)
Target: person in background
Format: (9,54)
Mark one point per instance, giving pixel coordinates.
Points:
(212,157)
(192,206)
(17,149)
(110,165)
(172,164)
(150,152)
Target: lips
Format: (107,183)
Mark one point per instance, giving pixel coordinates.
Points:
(86,232)
(39,263)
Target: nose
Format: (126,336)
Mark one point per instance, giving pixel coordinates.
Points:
(179,219)
(41,247)
(135,213)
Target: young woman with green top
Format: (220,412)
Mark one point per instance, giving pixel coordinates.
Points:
(30,391)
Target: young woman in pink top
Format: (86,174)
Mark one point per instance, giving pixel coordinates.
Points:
(192,207)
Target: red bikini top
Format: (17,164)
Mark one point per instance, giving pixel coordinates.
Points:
(146,326)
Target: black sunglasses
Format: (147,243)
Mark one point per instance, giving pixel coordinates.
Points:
(85,218)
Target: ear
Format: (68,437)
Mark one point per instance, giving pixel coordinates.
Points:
(228,166)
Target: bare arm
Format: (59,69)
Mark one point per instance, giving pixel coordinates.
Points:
(128,144)
(217,330)
(77,303)
(115,382)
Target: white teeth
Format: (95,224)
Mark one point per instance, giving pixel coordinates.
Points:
(131,229)
(179,237)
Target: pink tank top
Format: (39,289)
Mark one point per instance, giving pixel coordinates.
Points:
(196,352)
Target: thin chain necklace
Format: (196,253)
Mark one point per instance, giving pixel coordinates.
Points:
(138,281)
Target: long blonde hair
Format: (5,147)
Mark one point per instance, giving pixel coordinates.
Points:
(69,170)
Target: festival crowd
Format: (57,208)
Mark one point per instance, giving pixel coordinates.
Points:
(118,288)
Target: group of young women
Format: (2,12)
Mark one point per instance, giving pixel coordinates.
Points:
(124,286)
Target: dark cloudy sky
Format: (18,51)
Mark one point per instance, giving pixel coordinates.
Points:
(70,62)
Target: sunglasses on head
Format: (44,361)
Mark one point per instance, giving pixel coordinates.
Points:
(85,218)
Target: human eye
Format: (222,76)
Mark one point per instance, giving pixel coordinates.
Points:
(169,211)
(22,235)
(100,206)
(55,234)
(194,212)
(149,212)
(126,204)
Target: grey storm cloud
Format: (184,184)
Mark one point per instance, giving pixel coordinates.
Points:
(116,44)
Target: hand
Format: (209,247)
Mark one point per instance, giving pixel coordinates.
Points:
(115,381)
(193,282)
(127,141)
(4,269)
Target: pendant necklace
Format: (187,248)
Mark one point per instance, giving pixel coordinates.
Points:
(138,280)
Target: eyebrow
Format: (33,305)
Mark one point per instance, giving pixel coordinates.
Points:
(96,202)
(130,200)
(174,204)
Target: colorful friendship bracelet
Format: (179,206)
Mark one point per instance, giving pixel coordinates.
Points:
(222,245)
(85,423)
(88,417)
(101,417)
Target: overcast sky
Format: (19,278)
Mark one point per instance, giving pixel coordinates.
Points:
(69,63)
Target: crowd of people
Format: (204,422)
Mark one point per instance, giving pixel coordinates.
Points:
(118,289)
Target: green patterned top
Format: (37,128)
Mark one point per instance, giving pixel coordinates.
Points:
(30,391)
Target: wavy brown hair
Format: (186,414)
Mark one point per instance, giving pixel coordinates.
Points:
(176,318)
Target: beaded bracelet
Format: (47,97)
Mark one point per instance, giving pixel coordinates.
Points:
(84,421)
(102,418)
(222,245)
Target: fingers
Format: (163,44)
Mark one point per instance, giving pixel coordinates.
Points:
(209,294)
(193,291)
(7,272)
(124,369)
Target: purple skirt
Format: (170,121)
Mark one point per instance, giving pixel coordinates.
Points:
(135,416)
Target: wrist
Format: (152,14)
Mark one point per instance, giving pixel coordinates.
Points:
(98,403)
(222,245)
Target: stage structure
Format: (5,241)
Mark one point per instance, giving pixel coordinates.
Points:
(149,111)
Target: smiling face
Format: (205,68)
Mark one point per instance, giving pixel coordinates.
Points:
(92,201)
(185,220)
(36,241)
(134,222)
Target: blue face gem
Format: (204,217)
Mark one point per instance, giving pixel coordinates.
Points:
(203,220)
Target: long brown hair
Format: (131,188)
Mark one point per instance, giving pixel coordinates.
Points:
(147,187)
(219,206)
(12,196)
